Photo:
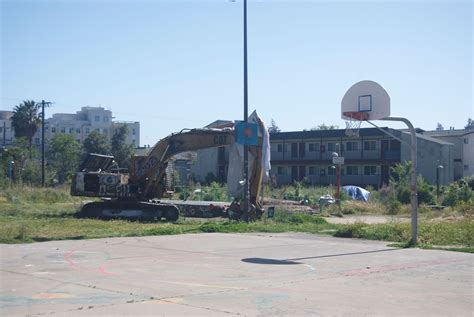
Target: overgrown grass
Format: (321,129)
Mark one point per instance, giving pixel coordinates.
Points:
(30,228)
(34,195)
(36,214)
(458,233)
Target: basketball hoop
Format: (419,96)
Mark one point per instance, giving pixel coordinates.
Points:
(353,120)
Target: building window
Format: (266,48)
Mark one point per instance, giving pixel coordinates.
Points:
(370,170)
(280,170)
(71,130)
(331,147)
(466,141)
(97,118)
(1,129)
(106,119)
(281,148)
(98,130)
(331,170)
(105,130)
(312,170)
(78,140)
(323,148)
(63,130)
(466,168)
(314,147)
(369,145)
(78,130)
(53,129)
(37,141)
(322,172)
(352,146)
(352,170)
(294,149)
(133,131)
(88,130)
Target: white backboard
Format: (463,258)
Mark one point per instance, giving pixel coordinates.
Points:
(369,97)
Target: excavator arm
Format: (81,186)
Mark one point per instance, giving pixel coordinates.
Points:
(148,171)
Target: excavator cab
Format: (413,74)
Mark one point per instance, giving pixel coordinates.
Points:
(97,178)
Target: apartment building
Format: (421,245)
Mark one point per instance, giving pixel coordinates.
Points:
(308,156)
(83,122)
(463,152)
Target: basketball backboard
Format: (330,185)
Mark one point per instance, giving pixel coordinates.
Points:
(368,99)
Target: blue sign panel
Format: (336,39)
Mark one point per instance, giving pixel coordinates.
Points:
(247,133)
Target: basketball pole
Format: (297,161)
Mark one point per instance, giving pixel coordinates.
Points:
(414,191)
(358,100)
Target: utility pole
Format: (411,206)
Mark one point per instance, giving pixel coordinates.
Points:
(246,147)
(4,133)
(43,104)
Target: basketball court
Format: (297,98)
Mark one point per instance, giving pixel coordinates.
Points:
(232,274)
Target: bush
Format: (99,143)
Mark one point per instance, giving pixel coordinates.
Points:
(425,192)
(457,193)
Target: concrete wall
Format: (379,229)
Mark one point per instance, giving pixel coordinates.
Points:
(431,154)
(468,154)
(206,162)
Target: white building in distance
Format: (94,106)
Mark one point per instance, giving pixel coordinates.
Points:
(7,134)
(79,124)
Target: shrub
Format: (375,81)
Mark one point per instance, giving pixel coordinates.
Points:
(457,193)
(425,191)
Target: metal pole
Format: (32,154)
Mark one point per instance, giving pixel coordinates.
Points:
(42,142)
(4,133)
(414,194)
(246,154)
(437,184)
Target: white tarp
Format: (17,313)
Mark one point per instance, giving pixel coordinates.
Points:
(236,160)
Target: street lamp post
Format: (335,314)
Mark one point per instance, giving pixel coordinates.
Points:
(437,181)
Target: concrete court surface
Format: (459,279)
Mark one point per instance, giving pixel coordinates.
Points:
(214,274)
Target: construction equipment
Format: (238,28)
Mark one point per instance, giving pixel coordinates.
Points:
(137,194)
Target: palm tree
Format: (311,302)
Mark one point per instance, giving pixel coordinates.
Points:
(25,120)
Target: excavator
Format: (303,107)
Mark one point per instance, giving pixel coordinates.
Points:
(139,192)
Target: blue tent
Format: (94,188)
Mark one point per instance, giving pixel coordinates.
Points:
(357,193)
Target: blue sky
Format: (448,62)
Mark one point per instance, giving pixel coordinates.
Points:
(178,64)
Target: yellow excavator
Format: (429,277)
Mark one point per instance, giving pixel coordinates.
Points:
(138,193)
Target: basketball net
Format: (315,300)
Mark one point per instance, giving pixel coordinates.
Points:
(353,121)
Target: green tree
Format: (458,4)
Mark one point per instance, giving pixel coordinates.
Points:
(325,127)
(96,143)
(470,124)
(14,160)
(122,151)
(25,120)
(400,179)
(273,127)
(63,156)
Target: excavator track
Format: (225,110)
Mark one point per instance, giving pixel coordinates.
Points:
(132,210)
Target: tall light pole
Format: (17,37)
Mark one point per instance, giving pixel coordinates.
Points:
(246,204)
(437,182)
